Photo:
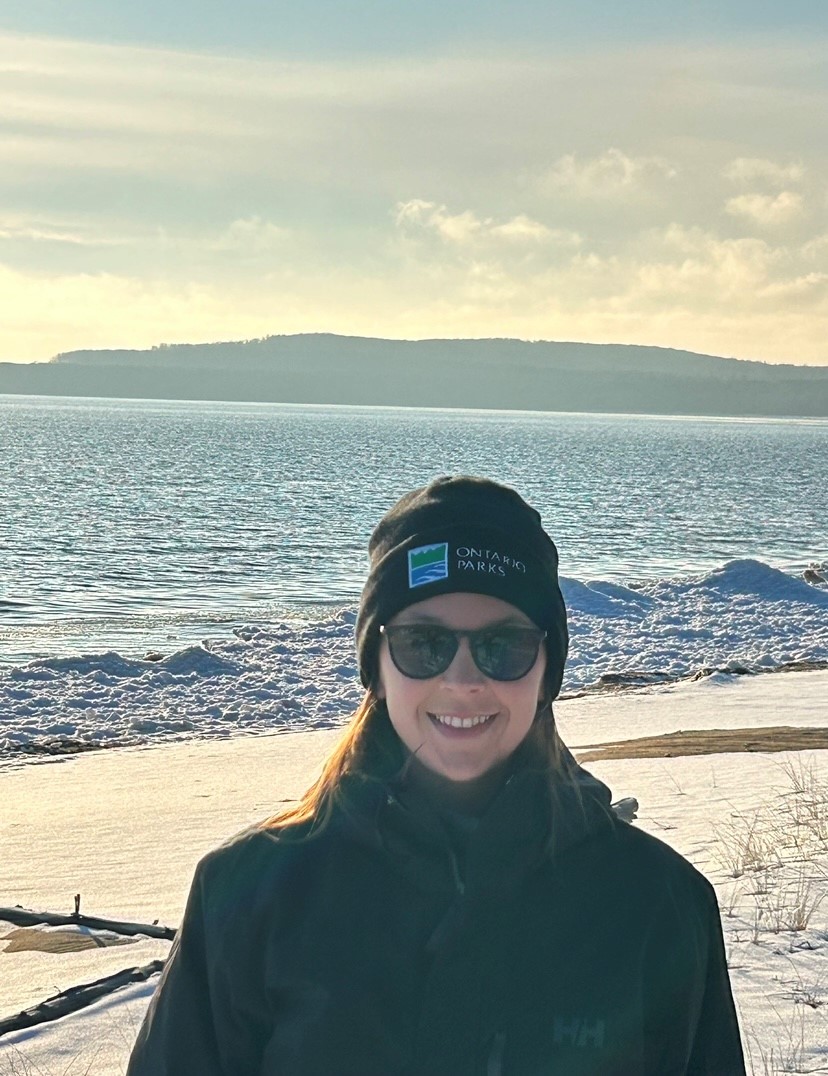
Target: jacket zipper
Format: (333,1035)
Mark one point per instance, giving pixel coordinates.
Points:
(494,1065)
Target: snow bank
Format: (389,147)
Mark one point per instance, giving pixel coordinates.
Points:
(302,674)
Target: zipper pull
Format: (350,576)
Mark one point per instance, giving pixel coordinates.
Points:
(459,884)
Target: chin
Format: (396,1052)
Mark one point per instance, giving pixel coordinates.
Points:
(462,775)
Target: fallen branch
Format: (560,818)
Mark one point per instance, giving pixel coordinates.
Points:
(77,997)
(23,917)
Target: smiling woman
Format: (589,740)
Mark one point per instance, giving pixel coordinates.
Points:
(454,896)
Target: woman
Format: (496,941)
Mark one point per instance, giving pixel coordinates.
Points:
(454,895)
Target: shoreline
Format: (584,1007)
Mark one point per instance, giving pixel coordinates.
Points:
(628,682)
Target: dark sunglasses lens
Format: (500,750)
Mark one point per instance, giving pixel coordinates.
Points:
(507,654)
(422,652)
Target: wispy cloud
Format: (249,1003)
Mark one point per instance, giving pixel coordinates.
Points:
(380,123)
(252,235)
(69,231)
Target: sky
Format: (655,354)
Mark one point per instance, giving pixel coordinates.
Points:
(652,173)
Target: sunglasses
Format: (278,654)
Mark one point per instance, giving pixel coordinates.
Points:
(421,651)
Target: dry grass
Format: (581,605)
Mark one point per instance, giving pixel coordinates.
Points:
(747,843)
(791,830)
(788,1054)
(778,859)
(15,1064)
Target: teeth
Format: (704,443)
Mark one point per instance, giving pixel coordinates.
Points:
(462,722)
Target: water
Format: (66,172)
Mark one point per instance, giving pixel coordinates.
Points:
(134,525)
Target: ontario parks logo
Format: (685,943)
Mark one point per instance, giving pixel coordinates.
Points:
(427,564)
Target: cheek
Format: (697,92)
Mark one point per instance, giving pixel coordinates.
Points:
(533,693)
(542,676)
(392,687)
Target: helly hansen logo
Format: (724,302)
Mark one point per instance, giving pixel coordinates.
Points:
(578,1031)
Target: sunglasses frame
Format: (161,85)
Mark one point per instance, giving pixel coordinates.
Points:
(470,635)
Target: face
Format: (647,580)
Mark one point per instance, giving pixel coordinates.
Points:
(415,707)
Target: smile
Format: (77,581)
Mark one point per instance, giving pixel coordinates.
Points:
(455,722)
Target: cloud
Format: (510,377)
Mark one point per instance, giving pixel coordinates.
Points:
(66,231)
(43,235)
(816,249)
(75,246)
(747,170)
(674,286)
(522,229)
(419,217)
(801,291)
(252,235)
(766,210)
(431,122)
(47,314)
(705,270)
(678,287)
(613,174)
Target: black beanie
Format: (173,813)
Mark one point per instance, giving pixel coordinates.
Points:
(462,534)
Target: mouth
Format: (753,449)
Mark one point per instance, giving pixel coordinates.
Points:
(461,723)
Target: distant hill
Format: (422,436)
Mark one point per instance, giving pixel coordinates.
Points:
(510,374)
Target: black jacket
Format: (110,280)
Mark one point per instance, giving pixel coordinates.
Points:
(380,949)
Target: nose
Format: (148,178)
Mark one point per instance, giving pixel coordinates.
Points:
(463,672)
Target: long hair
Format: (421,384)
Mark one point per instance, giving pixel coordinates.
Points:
(367,737)
(370,748)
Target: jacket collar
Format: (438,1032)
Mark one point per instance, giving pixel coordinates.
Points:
(536,817)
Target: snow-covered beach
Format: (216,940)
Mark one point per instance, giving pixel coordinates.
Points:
(180,586)
(125,828)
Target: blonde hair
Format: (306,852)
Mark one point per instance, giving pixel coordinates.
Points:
(370,748)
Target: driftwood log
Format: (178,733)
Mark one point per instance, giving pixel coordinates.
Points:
(24,917)
(77,997)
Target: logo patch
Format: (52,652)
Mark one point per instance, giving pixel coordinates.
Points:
(427,564)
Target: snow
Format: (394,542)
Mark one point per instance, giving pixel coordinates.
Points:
(125,828)
(300,674)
